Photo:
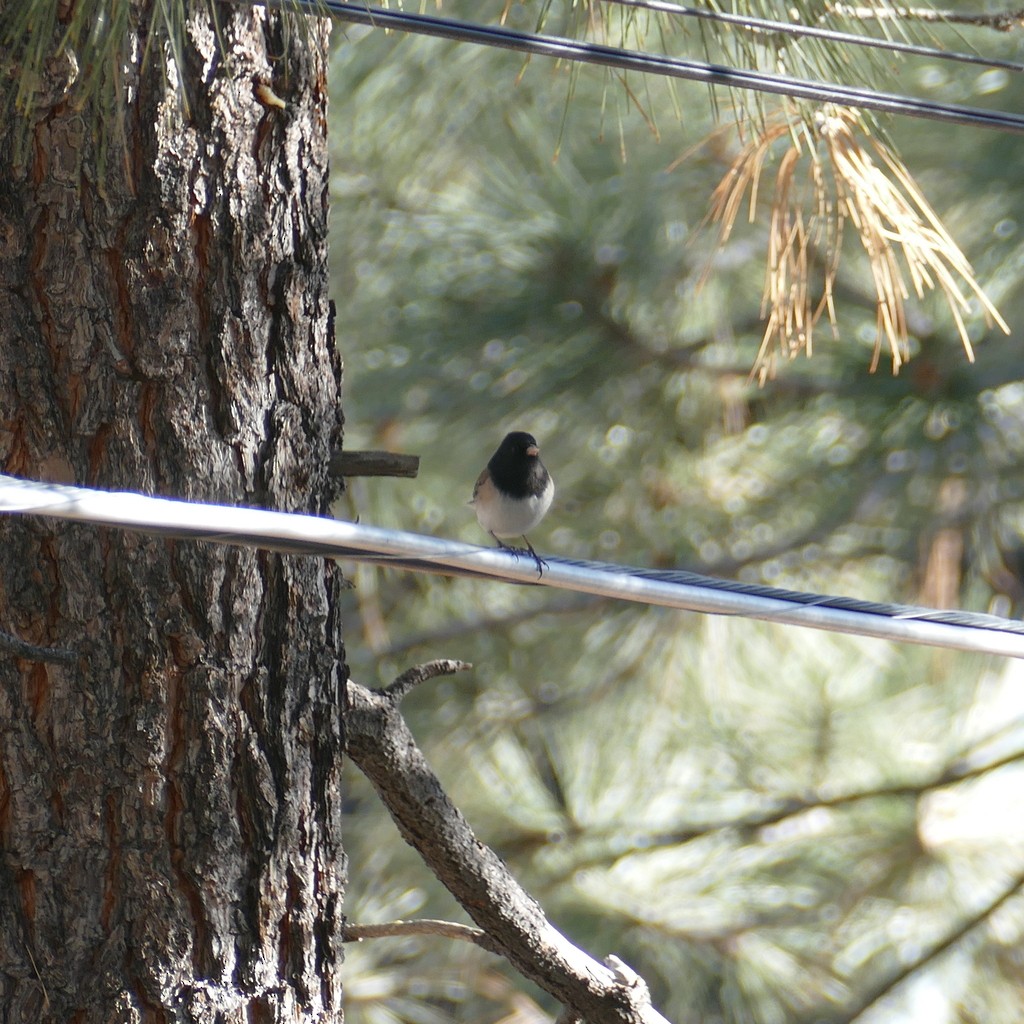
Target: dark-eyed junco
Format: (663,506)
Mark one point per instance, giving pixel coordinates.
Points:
(513,494)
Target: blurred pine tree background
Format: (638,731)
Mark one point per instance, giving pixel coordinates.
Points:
(768,824)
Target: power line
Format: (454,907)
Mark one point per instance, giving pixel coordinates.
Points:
(672,67)
(329,538)
(753,24)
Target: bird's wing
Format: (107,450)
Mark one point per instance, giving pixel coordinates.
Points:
(484,476)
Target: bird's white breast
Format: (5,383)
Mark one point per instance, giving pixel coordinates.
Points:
(513,517)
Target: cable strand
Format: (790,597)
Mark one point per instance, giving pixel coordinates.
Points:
(672,67)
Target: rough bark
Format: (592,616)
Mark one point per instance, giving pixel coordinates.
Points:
(170,844)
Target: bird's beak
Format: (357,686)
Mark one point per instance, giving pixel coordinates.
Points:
(533,450)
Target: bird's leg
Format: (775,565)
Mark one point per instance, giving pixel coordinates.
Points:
(505,547)
(540,563)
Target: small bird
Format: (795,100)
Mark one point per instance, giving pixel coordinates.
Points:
(513,493)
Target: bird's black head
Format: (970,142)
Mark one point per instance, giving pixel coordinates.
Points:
(516,468)
(519,444)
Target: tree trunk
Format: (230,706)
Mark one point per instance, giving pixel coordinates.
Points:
(169,800)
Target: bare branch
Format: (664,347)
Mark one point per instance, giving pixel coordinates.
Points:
(421,673)
(420,926)
(374,463)
(381,745)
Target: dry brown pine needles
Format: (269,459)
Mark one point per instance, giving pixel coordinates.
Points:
(851,177)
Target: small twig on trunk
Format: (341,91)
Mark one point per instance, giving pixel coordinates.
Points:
(420,674)
(22,649)
(420,926)
(379,742)
(349,464)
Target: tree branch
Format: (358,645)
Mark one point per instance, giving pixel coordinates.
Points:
(1002,21)
(955,935)
(420,674)
(421,926)
(375,463)
(789,807)
(381,745)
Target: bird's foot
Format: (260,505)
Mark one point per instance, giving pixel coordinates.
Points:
(528,550)
(537,560)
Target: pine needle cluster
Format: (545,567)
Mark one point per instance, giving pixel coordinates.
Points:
(849,177)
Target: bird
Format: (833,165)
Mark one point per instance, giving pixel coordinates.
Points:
(514,492)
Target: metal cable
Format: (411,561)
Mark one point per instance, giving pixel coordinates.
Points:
(329,538)
(672,67)
(752,24)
